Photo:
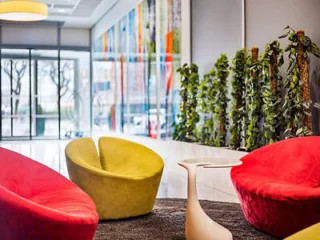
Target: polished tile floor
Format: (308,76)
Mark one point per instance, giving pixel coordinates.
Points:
(212,184)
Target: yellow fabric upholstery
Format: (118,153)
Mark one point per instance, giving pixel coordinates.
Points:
(311,233)
(123,182)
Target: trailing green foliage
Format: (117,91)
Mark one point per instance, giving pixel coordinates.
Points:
(185,130)
(264,109)
(237,112)
(254,105)
(272,60)
(206,107)
(220,91)
(310,46)
(294,107)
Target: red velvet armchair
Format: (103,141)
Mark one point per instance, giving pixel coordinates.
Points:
(279,186)
(37,203)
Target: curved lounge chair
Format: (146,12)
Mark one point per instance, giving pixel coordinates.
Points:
(123,181)
(279,186)
(37,203)
(310,233)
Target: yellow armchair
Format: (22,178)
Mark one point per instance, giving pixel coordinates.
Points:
(311,233)
(123,182)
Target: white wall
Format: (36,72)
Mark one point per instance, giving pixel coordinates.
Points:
(75,37)
(33,35)
(266,20)
(44,35)
(216,29)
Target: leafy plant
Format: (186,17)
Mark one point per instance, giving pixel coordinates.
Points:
(272,60)
(238,98)
(254,102)
(206,107)
(297,104)
(185,130)
(220,91)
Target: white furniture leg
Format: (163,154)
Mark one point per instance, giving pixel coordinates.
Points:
(198,225)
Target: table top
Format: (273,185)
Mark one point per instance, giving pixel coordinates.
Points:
(213,162)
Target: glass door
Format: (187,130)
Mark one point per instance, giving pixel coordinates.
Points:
(75,94)
(15,89)
(45,114)
(44,96)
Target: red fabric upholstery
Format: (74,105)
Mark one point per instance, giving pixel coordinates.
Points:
(279,186)
(37,203)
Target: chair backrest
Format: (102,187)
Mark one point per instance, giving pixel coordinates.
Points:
(295,161)
(126,157)
(26,177)
(83,152)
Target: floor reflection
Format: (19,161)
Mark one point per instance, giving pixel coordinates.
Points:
(212,184)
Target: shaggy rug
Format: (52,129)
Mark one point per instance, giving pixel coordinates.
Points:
(167,221)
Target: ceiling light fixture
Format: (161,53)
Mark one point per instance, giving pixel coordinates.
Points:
(23,10)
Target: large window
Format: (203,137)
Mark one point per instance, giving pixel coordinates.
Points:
(75,93)
(38,103)
(126,58)
(45,114)
(15,89)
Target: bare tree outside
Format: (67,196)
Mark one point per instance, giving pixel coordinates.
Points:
(19,68)
(51,70)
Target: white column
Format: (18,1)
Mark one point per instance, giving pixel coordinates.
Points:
(158,12)
(244,16)
(125,80)
(185,32)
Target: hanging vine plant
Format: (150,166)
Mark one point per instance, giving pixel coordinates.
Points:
(206,107)
(272,60)
(238,98)
(254,102)
(185,129)
(180,128)
(220,91)
(297,105)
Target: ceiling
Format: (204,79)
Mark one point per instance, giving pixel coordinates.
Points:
(76,8)
(78,13)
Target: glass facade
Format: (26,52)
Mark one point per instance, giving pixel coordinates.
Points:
(36,102)
(15,89)
(125,64)
(45,85)
(130,86)
(75,93)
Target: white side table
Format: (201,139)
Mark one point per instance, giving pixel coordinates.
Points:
(198,225)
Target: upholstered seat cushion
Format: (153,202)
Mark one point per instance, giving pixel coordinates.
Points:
(123,182)
(278,186)
(128,158)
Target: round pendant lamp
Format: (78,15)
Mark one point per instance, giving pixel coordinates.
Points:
(23,10)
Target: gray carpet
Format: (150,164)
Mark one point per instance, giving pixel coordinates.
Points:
(167,220)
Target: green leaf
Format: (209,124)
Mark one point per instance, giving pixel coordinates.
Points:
(284,35)
(299,131)
(280,60)
(315,50)
(306,41)
(288,48)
